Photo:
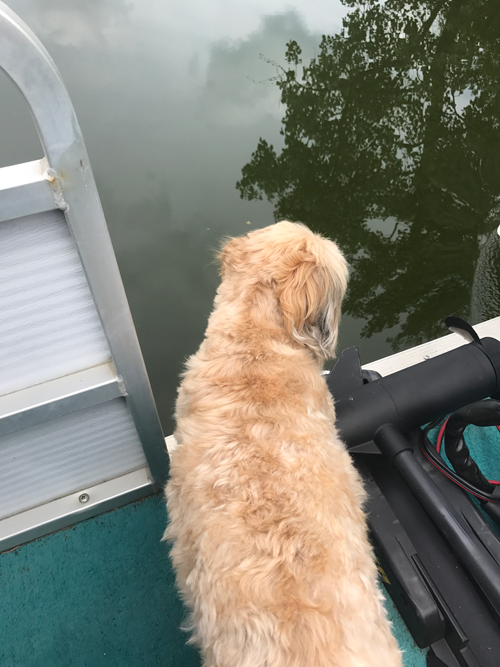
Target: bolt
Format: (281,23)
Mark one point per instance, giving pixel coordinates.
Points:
(50,174)
(84,498)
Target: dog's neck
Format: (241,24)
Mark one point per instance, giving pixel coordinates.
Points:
(250,321)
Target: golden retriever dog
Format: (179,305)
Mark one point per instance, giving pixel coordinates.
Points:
(269,538)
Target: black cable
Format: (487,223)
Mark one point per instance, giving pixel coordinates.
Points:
(430,452)
(480,413)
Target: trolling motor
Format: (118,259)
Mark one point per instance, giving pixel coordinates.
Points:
(416,395)
(375,415)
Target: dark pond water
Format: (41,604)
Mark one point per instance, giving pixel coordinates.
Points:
(211,118)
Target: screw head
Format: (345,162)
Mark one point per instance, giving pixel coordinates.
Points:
(84,498)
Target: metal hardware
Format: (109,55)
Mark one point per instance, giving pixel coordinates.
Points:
(66,511)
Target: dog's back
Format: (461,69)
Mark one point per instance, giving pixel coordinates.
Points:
(269,538)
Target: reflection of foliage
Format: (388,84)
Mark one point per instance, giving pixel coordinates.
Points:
(397,119)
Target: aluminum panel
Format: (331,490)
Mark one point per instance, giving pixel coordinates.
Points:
(59,457)
(49,326)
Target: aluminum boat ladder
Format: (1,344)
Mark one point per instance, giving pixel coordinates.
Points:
(79,430)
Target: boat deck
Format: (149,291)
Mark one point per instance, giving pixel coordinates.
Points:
(102,593)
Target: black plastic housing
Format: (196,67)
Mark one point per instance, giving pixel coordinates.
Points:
(419,394)
(438,553)
(439,602)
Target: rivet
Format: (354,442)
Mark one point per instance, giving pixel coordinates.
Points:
(426,357)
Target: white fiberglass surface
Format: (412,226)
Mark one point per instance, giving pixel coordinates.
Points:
(49,326)
(59,457)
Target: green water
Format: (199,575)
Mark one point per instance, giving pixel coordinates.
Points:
(211,118)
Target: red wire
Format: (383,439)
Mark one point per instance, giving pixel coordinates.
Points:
(438,450)
(453,480)
(440,437)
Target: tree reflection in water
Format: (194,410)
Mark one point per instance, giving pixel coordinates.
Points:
(392,148)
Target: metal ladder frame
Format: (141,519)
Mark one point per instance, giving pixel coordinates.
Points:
(63,180)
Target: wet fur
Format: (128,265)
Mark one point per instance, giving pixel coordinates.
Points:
(269,538)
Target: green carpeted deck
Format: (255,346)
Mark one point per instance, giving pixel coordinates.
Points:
(102,593)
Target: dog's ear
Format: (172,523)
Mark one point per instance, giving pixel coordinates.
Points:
(232,254)
(310,297)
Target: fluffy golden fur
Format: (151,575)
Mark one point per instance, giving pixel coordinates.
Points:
(269,538)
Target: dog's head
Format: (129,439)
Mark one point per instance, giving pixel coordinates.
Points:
(307,271)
